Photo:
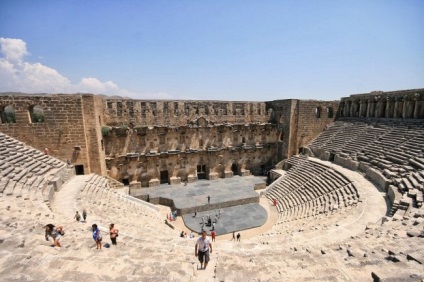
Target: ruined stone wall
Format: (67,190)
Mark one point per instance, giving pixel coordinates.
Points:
(62,132)
(188,153)
(179,113)
(313,117)
(93,109)
(406,104)
(299,122)
(283,113)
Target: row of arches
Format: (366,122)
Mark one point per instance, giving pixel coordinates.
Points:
(8,114)
(383,107)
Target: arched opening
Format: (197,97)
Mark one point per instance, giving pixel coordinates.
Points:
(330,112)
(318,112)
(2,115)
(234,168)
(36,114)
(281,137)
(8,115)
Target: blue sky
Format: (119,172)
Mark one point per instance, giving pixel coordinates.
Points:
(221,50)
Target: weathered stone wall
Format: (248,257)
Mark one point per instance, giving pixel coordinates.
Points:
(93,109)
(406,104)
(69,130)
(299,122)
(188,153)
(313,117)
(180,113)
(62,132)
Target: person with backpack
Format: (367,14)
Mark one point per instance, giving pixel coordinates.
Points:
(97,236)
(55,232)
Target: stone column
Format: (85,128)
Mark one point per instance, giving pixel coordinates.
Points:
(371,108)
(381,108)
(416,107)
(343,109)
(397,113)
(389,107)
(404,108)
(361,108)
(355,110)
(347,109)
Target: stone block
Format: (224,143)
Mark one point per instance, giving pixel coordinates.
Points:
(228,174)
(244,172)
(175,180)
(57,183)
(154,182)
(213,176)
(192,178)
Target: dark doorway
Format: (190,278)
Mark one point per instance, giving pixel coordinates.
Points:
(263,170)
(331,157)
(125,181)
(201,172)
(79,170)
(164,177)
(234,168)
(301,151)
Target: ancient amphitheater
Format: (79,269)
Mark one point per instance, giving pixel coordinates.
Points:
(347,177)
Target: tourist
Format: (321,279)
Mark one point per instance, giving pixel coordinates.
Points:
(84,215)
(213,234)
(201,250)
(97,236)
(191,235)
(203,220)
(77,216)
(55,232)
(209,199)
(46,151)
(234,236)
(213,226)
(195,213)
(113,232)
(216,218)
(238,237)
(182,234)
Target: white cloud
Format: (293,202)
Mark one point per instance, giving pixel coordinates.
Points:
(19,75)
(13,49)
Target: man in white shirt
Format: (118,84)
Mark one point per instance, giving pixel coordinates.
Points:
(202,248)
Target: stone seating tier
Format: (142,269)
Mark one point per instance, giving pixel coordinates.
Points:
(393,148)
(310,188)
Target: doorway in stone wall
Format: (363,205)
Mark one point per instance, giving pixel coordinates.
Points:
(234,168)
(331,158)
(164,177)
(125,181)
(79,169)
(201,172)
